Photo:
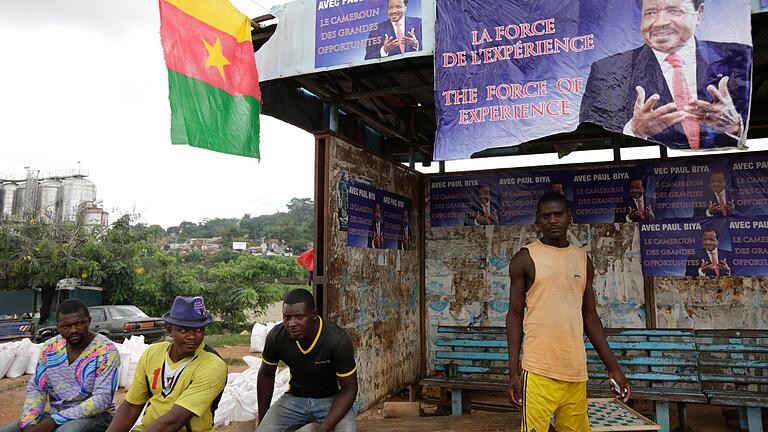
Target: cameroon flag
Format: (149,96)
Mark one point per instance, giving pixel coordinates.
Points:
(212,78)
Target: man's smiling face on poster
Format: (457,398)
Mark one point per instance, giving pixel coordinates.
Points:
(668,24)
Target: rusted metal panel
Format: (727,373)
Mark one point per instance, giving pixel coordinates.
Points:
(374,294)
(716,303)
(467,281)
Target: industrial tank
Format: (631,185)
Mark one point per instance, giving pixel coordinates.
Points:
(77,192)
(94,216)
(49,200)
(6,198)
(18,200)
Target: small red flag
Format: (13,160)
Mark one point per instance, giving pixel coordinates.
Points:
(307,259)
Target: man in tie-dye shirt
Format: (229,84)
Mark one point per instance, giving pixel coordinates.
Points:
(76,373)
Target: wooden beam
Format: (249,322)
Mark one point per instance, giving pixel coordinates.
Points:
(386,92)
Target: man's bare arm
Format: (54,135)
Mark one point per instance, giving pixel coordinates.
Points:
(125,417)
(342,402)
(265,386)
(520,268)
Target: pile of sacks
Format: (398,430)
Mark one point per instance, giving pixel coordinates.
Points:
(18,358)
(239,402)
(259,335)
(130,352)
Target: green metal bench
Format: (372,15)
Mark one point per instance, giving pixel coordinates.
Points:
(734,371)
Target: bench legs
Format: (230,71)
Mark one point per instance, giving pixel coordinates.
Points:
(456,402)
(661,414)
(755,419)
(682,417)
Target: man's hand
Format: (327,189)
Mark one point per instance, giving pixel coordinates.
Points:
(410,39)
(633,214)
(705,266)
(723,264)
(713,208)
(515,390)
(389,43)
(649,213)
(730,206)
(721,114)
(625,392)
(647,121)
(47,425)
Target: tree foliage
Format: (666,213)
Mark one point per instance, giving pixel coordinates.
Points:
(129,263)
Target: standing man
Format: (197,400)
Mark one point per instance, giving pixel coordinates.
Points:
(674,89)
(636,207)
(709,261)
(177,384)
(554,279)
(77,373)
(323,383)
(718,199)
(397,35)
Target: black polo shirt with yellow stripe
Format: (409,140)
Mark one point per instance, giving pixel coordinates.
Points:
(314,369)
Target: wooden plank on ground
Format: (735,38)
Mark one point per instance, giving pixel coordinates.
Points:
(478,422)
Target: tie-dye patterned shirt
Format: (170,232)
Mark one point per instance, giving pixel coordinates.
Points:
(79,390)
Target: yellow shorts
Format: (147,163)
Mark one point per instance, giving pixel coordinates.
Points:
(544,397)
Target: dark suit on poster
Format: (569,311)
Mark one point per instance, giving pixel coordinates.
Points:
(376,37)
(609,96)
(710,196)
(479,216)
(629,203)
(376,235)
(695,259)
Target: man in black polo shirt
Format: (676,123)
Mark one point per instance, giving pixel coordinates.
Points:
(323,383)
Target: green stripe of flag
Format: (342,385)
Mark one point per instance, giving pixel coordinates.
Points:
(208,117)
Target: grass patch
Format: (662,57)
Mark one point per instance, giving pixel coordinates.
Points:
(231,339)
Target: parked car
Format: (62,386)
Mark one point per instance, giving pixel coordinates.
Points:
(13,330)
(117,322)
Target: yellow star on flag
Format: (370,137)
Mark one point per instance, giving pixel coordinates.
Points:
(215,57)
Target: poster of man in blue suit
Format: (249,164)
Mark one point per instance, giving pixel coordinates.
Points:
(398,34)
(674,89)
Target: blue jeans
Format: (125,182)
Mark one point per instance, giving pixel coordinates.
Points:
(97,423)
(290,413)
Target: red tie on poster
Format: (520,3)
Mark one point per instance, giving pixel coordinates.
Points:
(400,36)
(721,202)
(714,263)
(682,98)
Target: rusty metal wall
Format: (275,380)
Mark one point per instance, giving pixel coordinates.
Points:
(467,281)
(704,303)
(374,294)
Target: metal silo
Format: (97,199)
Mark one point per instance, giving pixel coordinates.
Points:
(6,198)
(18,200)
(49,200)
(77,192)
(93,216)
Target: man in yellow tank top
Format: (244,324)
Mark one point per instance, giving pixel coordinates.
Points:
(553,278)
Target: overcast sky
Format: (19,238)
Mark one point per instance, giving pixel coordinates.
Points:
(85,81)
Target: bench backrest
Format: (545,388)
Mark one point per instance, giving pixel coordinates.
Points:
(651,358)
(734,360)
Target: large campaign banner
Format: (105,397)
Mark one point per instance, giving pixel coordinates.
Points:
(352,31)
(672,72)
(377,218)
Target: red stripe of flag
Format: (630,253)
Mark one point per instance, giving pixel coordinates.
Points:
(186,54)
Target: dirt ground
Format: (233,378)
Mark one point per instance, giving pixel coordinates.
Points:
(701,418)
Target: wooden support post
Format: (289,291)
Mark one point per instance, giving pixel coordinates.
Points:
(456,404)
(755,419)
(682,417)
(661,414)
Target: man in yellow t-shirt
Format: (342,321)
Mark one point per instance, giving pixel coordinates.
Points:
(553,279)
(179,382)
